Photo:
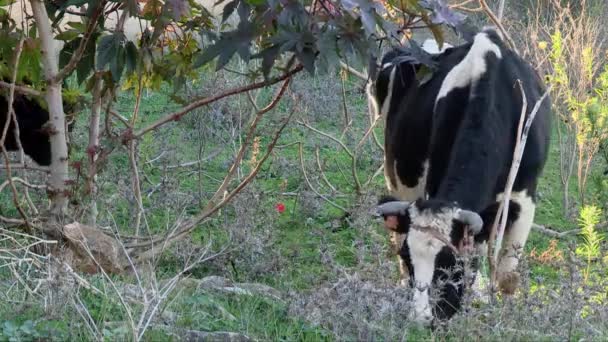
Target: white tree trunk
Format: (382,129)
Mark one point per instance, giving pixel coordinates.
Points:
(59,148)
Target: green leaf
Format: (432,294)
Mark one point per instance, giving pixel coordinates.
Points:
(225,55)
(307,58)
(117,65)
(106,50)
(229,43)
(86,64)
(132,7)
(328,50)
(208,55)
(7,2)
(229,9)
(268,55)
(67,35)
(80,27)
(256,2)
(30,64)
(131,57)
(111,51)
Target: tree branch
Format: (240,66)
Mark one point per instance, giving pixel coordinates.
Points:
(498,23)
(20,89)
(301,154)
(354,71)
(211,207)
(83,44)
(544,230)
(205,101)
(185,228)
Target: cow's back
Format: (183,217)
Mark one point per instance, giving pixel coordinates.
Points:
(409,118)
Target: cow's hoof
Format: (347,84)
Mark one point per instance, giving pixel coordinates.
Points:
(508,283)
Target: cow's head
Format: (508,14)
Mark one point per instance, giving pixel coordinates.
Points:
(437,235)
(393,77)
(397,72)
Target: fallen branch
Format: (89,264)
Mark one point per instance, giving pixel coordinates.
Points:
(196,162)
(553,233)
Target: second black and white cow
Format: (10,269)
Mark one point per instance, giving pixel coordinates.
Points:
(449,143)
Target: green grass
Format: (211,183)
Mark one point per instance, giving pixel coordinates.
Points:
(298,238)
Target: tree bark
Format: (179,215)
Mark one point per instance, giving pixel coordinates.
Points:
(59,150)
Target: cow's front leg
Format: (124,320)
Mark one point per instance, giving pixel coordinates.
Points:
(397,240)
(397,188)
(513,243)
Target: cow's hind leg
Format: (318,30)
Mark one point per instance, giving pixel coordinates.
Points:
(514,242)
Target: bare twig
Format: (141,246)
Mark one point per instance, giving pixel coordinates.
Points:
(22,181)
(196,162)
(501,9)
(347,119)
(120,118)
(21,89)
(136,184)
(503,209)
(11,115)
(249,139)
(553,233)
(352,156)
(498,23)
(333,189)
(522,136)
(301,154)
(354,71)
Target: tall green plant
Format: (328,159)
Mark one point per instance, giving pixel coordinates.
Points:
(589,217)
(580,93)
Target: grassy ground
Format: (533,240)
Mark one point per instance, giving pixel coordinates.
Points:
(332,269)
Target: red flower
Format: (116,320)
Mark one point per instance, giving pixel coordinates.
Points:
(280,207)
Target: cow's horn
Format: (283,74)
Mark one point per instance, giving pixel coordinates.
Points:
(472,219)
(392,208)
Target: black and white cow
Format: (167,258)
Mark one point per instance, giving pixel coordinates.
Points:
(31,117)
(448,150)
